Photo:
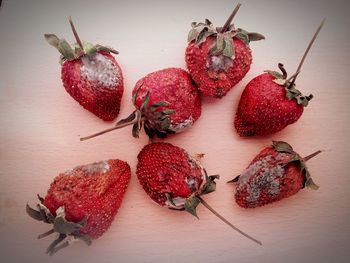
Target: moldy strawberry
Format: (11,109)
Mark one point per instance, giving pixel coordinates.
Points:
(218,58)
(174,179)
(81,203)
(277,172)
(166,102)
(91,75)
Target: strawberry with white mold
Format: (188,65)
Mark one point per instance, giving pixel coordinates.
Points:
(277,172)
(166,102)
(174,179)
(219,58)
(81,203)
(91,75)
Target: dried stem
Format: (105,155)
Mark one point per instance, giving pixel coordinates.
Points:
(230,18)
(110,129)
(227,222)
(311,155)
(307,50)
(76,34)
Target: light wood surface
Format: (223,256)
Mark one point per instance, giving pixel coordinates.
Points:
(41,125)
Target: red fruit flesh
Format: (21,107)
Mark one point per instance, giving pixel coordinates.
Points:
(94,191)
(96,83)
(264,108)
(216,75)
(268,179)
(166,169)
(174,86)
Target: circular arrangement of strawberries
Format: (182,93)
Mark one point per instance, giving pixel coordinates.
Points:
(81,203)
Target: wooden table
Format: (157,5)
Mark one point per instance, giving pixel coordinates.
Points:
(41,125)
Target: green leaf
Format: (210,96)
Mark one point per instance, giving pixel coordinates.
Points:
(155,105)
(145,102)
(255,36)
(242,36)
(210,185)
(289,95)
(192,35)
(191,204)
(208,22)
(52,39)
(135,130)
(228,50)
(280,82)
(106,49)
(89,48)
(218,46)
(161,134)
(65,49)
(234,180)
(275,74)
(202,36)
(165,124)
(168,111)
(281,146)
(62,226)
(130,118)
(302,100)
(310,183)
(33,213)
(85,238)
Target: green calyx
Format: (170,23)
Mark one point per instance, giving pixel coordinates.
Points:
(223,44)
(154,118)
(284,147)
(195,199)
(67,230)
(78,50)
(289,85)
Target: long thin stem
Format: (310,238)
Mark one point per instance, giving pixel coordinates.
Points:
(227,222)
(308,49)
(311,155)
(109,130)
(76,34)
(230,18)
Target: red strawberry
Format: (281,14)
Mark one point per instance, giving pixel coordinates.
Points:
(91,75)
(81,203)
(275,173)
(174,179)
(270,101)
(166,102)
(218,58)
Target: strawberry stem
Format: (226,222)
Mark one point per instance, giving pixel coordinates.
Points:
(311,155)
(307,50)
(230,18)
(111,129)
(225,220)
(76,34)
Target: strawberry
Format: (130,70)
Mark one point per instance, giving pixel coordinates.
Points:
(91,75)
(174,179)
(166,102)
(277,172)
(270,101)
(218,58)
(81,203)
